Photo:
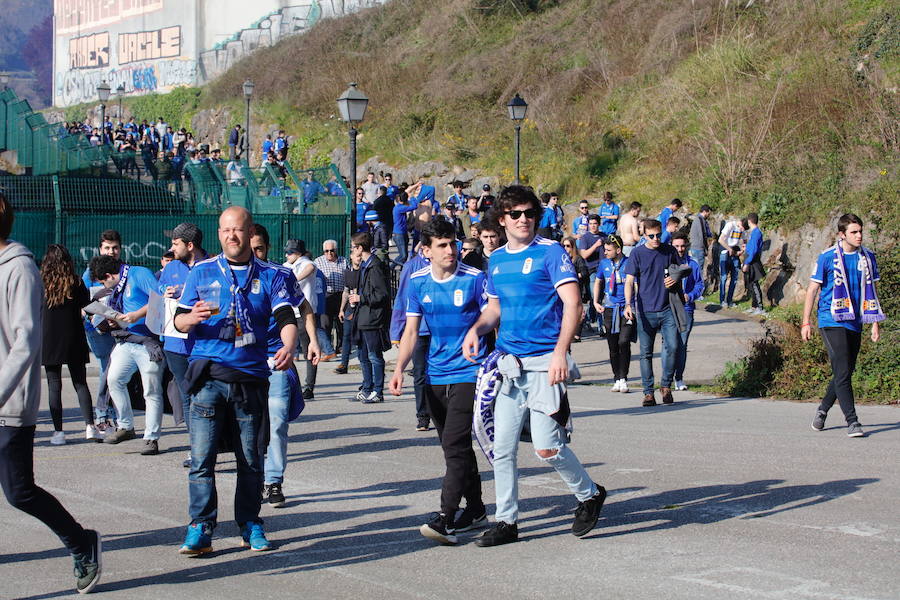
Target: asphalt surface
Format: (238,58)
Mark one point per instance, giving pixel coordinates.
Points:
(708,498)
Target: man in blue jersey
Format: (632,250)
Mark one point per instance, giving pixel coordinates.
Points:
(590,247)
(187,246)
(752,265)
(137,349)
(458,197)
(534,297)
(845,281)
(647,266)
(361,207)
(669,229)
(283,385)
(547,222)
(609,214)
(228,302)
(101,343)
(669,211)
(580,223)
(400,229)
(448,296)
(423,339)
(692,287)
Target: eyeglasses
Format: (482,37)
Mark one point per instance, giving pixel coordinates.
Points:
(529,213)
(583,207)
(653,236)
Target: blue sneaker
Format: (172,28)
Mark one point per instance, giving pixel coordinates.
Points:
(254,537)
(197,541)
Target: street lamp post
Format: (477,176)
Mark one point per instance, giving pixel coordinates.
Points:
(120,91)
(248,93)
(517,108)
(352,106)
(4,79)
(103,93)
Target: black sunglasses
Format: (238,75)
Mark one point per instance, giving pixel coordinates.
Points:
(653,236)
(530,213)
(330,250)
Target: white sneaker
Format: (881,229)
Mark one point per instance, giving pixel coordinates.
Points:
(58,438)
(92,433)
(616,386)
(623,386)
(680,385)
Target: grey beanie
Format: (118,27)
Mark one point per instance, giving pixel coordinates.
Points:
(188,232)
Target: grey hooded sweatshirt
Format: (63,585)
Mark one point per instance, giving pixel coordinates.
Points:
(21,294)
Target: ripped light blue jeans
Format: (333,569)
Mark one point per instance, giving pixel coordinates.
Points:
(510,411)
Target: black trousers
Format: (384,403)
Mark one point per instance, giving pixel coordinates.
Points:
(78,373)
(843,348)
(331,322)
(420,380)
(309,380)
(619,344)
(17,479)
(451,410)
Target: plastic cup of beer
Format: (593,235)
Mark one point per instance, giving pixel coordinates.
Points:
(210,294)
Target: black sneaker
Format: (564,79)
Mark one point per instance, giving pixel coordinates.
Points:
(273,495)
(819,421)
(439,529)
(501,533)
(341,369)
(855,430)
(151,448)
(373,398)
(588,512)
(308,394)
(89,565)
(468,519)
(422,425)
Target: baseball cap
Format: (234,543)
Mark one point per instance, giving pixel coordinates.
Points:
(295,247)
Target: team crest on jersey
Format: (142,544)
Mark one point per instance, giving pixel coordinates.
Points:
(255,286)
(526,268)
(427,298)
(567,266)
(458,298)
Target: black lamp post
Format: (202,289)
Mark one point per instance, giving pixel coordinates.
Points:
(517,108)
(352,106)
(248,93)
(103,91)
(120,92)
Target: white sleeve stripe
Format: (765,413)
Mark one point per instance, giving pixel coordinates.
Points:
(413,314)
(816,280)
(180,305)
(566,280)
(490,295)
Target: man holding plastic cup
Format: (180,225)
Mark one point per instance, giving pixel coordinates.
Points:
(228,373)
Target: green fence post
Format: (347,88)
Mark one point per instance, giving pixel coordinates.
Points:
(57,207)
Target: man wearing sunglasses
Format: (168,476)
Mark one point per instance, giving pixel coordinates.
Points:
(647,267)
(534,297)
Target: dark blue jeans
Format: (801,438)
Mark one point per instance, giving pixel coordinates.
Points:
(401,240)
(178,364)
(649,324)
(681,358)
(211,407)
(728,265)
(371,361)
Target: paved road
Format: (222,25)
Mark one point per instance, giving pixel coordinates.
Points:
(709,498)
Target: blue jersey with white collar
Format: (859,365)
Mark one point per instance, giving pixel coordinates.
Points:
(612,281)
(141,282)
(525,282)
(274,342)
(450,307)
(272,287)
(824,273)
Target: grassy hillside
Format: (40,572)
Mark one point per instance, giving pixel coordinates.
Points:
(789,107)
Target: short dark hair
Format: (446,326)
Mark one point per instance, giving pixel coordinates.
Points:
(490,222)
(846,219)
(363,239)
(261,231)
(545,198)
(438,228)
(673,221)
(607,196)
(7,217)
(110,235)
(753,218)
(635,205)
(613,240)
(594,218)
(103,266)
(706,208)
(516,195)
(652,224)
(680,235)
(168,254)
(675,202)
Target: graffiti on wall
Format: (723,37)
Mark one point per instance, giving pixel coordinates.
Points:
(73,87)
(149,45)
(73,16)
(89,51)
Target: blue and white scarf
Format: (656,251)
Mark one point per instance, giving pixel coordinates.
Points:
(487,386)
(237,325)
(841,303)
(117,298)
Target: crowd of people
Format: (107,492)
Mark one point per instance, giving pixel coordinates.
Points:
(486,307)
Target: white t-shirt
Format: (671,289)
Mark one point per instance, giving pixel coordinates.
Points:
(308,284)
(371,190)
(732,234)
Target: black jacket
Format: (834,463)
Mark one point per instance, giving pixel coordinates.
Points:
(374,309)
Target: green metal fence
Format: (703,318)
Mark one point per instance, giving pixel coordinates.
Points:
(73,211)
